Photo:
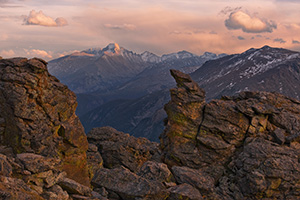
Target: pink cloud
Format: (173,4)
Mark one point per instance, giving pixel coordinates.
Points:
(38,53)
(121,27)
(39,18)
(241,20)
(8,53)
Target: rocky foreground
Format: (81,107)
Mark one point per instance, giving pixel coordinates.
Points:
(241,147)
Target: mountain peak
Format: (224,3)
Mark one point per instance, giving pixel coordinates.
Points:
(266,47)
(150,57)
(112,48)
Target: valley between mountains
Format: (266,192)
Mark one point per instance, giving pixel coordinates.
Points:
(125,90)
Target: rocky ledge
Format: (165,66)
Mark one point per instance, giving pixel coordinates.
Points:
(240,147)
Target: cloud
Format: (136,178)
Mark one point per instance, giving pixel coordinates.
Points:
(240,38)
(8,4)
(61,21)
(241,20)
(39,18)
(296,42)
(213,33)
(8,53)
(229,9)
(280,40)
(120,27)
(176,32)
(38,53)
(293,26)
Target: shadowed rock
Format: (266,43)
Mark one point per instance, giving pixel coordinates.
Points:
(38,115)
(129,185)
(120,149)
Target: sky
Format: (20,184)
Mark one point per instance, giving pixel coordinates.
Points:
(51,29)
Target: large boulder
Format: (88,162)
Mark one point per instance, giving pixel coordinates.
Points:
(38,116)
(129,185)
(120,149)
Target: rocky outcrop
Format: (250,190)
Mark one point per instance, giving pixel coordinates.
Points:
(120,149)
(42,142)
(240,147)
(38,115)
(32,176)
(131,166)
(128,185)
(184,117)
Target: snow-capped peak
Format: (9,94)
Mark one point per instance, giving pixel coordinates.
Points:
(178,55)
(112,48)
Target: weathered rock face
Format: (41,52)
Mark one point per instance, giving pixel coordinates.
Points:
(120,149)
(240,147)
(129,185)
(38,116)
(184,118)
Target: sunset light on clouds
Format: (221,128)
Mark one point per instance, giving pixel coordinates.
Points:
(50,29)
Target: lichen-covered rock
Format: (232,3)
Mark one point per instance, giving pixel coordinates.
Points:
(184,111)
(129,185)
(120,149)
(36,163)
(94,159)
(241,147)
(38,115)
(14,188)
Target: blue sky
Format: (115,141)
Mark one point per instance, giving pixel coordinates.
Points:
(50,29)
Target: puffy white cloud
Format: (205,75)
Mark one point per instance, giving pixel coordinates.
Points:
(39,18)
(120,27)
(8,53)
(241,20)
(38,53)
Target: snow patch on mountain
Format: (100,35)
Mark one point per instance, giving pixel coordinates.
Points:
(150,57)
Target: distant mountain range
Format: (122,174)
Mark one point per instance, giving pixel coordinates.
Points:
(127,91)
(264,69)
